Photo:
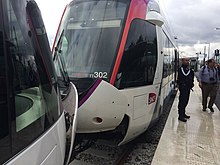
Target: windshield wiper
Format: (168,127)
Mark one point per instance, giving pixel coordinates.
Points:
(61,64)
(89,23)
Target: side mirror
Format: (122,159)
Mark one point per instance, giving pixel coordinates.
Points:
(155,18)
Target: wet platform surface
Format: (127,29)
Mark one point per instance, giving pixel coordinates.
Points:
(195,142)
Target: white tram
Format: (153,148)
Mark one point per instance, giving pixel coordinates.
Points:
(122,59)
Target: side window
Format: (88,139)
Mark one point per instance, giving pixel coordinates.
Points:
(173,59)
(139,59)
(167,57)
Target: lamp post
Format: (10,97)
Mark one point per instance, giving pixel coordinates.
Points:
(208,52)
(217,57)
(176,38)
(204,55)
(197,60)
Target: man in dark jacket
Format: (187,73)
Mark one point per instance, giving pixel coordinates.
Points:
(185,81)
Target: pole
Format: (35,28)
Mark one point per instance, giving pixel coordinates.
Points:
(197,61)
(209,51)
(204,55)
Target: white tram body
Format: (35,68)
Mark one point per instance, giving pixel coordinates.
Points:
(122,59)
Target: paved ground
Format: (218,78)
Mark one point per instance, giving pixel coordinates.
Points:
(195,142)
(217,100)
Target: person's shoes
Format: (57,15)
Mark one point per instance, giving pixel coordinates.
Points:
(211,109)
(182,119)
(186,116)
(204,109)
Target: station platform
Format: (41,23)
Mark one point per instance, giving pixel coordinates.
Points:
(195,142)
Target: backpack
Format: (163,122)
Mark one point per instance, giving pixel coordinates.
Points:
(216,69)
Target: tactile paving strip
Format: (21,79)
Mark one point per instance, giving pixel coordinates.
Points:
(190,162)
(199,148)
(200,153)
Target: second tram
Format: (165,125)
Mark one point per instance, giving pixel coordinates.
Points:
(122,58)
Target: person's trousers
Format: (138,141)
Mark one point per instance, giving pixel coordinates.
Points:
(209,90)
(183,100)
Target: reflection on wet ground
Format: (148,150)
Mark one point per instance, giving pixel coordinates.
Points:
(193,142)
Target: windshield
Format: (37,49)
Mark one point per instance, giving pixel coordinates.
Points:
(91,33)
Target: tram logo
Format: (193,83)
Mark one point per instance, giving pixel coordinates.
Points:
(152,98)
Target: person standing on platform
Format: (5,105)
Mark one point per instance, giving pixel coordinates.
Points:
(185,81)
(208,78)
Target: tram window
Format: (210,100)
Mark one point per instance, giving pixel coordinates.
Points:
(172,60)
(139,60)
(166,58)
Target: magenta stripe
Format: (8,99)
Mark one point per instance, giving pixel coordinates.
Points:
(96,84)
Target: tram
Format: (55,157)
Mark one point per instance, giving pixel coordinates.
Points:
(122,58)
(32,121)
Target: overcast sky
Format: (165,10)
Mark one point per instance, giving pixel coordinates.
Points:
(193,22)
(52,11)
